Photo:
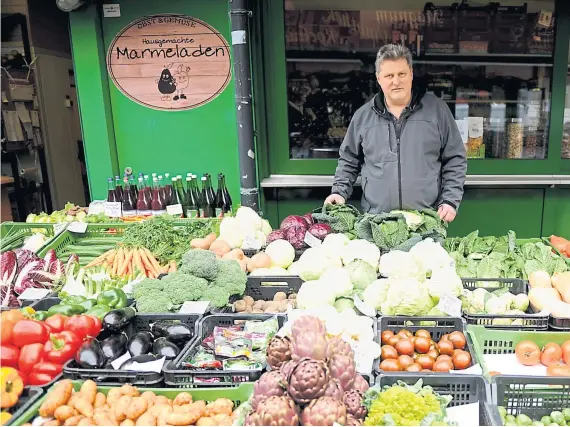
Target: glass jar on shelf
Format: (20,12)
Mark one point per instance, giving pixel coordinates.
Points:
(515,138)
(495,138)
(530,142)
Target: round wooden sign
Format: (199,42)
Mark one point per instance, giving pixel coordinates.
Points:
(169,62)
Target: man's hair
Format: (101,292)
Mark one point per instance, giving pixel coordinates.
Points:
(393,52)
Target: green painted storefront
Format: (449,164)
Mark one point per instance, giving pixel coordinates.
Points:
(119,132)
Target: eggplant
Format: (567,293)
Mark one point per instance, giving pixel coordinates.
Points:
(164,348)
(117,320)
(177,333)
(114,346)
(140,343)
(141,358)
(90,355)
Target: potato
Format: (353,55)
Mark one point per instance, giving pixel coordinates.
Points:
(279,296)
(282,306)
(223,420)
(258,305)
(220,247)
(100,400)
(248,310)
(203,243)
(136,408)
(149,396)
(52,423)
(146,419)
(259,260)
(161,400)
(63,412)
(257,311)
(89,391)
(240,306)
(121,407)
(243,264)
(128,422)
(162,416)
(86,422)
(235,255)
(182,418)
(114,394)
(271,308)
(56,398)
(220,406)
(158,408)
(182,399)
(103,419)
(205,421)
(199,406)
(74,421)
(83,406)
(249,301)
(129,390)
(293,297)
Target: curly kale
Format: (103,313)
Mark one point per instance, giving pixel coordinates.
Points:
(155,303)
(230,277)
(147,286)
(181,287)
(200,263)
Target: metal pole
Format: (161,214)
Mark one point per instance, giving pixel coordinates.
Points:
(239,16)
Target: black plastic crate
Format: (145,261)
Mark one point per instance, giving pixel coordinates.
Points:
(29,396)
(141,322)
(436,326)
(175,375)
(559,323)
(265,287)
(532,396)
(464,389)
(530,320)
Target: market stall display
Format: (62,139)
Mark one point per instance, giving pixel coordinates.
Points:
(15,398)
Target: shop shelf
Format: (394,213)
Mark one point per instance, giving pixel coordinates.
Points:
(493,341)
(177,375)
(464,389)
(238,395)
(530,320)
(142,322)
(27,400)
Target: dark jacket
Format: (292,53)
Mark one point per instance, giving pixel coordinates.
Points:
(416,162)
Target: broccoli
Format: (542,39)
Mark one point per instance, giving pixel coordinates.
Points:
(155,303)
(200,263)
(219,298)
(147,286)
(181,287)
(230,277)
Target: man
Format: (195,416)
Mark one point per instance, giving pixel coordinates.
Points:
(404,143)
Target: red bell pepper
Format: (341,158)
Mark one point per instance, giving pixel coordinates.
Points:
(7,331)
(9,355)
(98,325)
(23,376)
(47,368)
(61,347)
(56,322)
(83,326)
(30,355)
(29,332)
(39,378)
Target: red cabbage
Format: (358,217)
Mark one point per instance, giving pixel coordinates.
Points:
(276,235)
(294,221)
(296,236)
(320,231)
(309,218)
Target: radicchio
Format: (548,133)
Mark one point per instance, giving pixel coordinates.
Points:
(294,221)
(57,268)
(8,269)
(296,236)
(24,256)
(320,231)
(50,258)
(41,278)
(23,281)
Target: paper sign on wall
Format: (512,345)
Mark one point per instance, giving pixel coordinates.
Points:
(111,10)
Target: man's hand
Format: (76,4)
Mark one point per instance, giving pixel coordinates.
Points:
(335,199)
(446,213)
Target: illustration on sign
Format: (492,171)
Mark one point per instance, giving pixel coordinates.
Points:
(169,62)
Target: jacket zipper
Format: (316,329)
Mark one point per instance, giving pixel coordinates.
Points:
(364,191)
(398,135)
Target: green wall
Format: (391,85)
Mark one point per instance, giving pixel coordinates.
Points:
(120,133)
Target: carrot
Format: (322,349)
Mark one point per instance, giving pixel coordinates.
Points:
(138,261)
(172,267)
(98,260)
(152,259)
(115,264)
(146,262)
(126,263)
(111,256)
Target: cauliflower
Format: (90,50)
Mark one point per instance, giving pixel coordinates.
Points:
(375,294)
(361,249)
(334,245)
(431,256)
(401,265)
(315,293)
(444,281)
(339,279)
(313,263)
(231,232)
(281,253)
(249,219)
(200,263)
(496,305)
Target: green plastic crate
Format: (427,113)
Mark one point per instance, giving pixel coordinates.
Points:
(494,341)
(237,394)
(28,229)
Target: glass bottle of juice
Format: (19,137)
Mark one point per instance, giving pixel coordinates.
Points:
(191,207)
(129,202)
(157,202)
(208,202)
(143,200)
(118,188)
(220,198)
(167,189)
(162,189)
(224,194)
(133,186)
(174,208)
(111,193)
(147,187)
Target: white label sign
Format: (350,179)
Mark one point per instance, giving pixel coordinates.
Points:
(33,293)
(250,243)
(194,307)
(174,209)
(77,227)
(116,364)
(463,127)
(113,209)
(475,127)
(450,305)
(111,10)
(311,240)
(59,227)
(363,307)
(545,18)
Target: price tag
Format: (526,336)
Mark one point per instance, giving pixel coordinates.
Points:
(116,364)
(545,18)
(311,240)
(111,10)
(194,307)
(33,294)
(174,209)
(463,127)
(250,243)
(363,307)
(475,127)
(59,228)
(96,207)
(450,305)
(113,209)
(77,227)
(154,366)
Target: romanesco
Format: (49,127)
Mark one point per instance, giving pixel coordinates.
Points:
(158,302)
(230,277)
(181,287)
(147,286)
(200,263)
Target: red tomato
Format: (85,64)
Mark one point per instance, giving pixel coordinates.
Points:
(558,370)
(433,353)
(29,332)
(405,361)
(422,344)
(414,367)
(445,347)
(462,360)
(390,365)
(425,361)
(9,355)
(458,340)
(551,353)
(442,366)
(527,353)
(566,352)
(404,333)
(388,352)
(405,347)
(423,333)
(385,336)
(393,340)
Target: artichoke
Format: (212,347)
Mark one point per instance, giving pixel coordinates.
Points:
(334,390)
(353,401)
(274,411)
(270,384)
(324,411)
(310,344)
(308,380)
(360,384)
(278,351)
(351,421)
(307,323)
(342,368)
(287,367)
(339,346)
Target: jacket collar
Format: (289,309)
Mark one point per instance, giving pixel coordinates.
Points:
(379,101)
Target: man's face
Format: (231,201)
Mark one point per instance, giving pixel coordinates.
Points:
(395,79)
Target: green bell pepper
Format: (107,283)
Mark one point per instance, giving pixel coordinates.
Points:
(100,310)
(88,304)
(114,298)
(73,299)
(65,309)
(40,315)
